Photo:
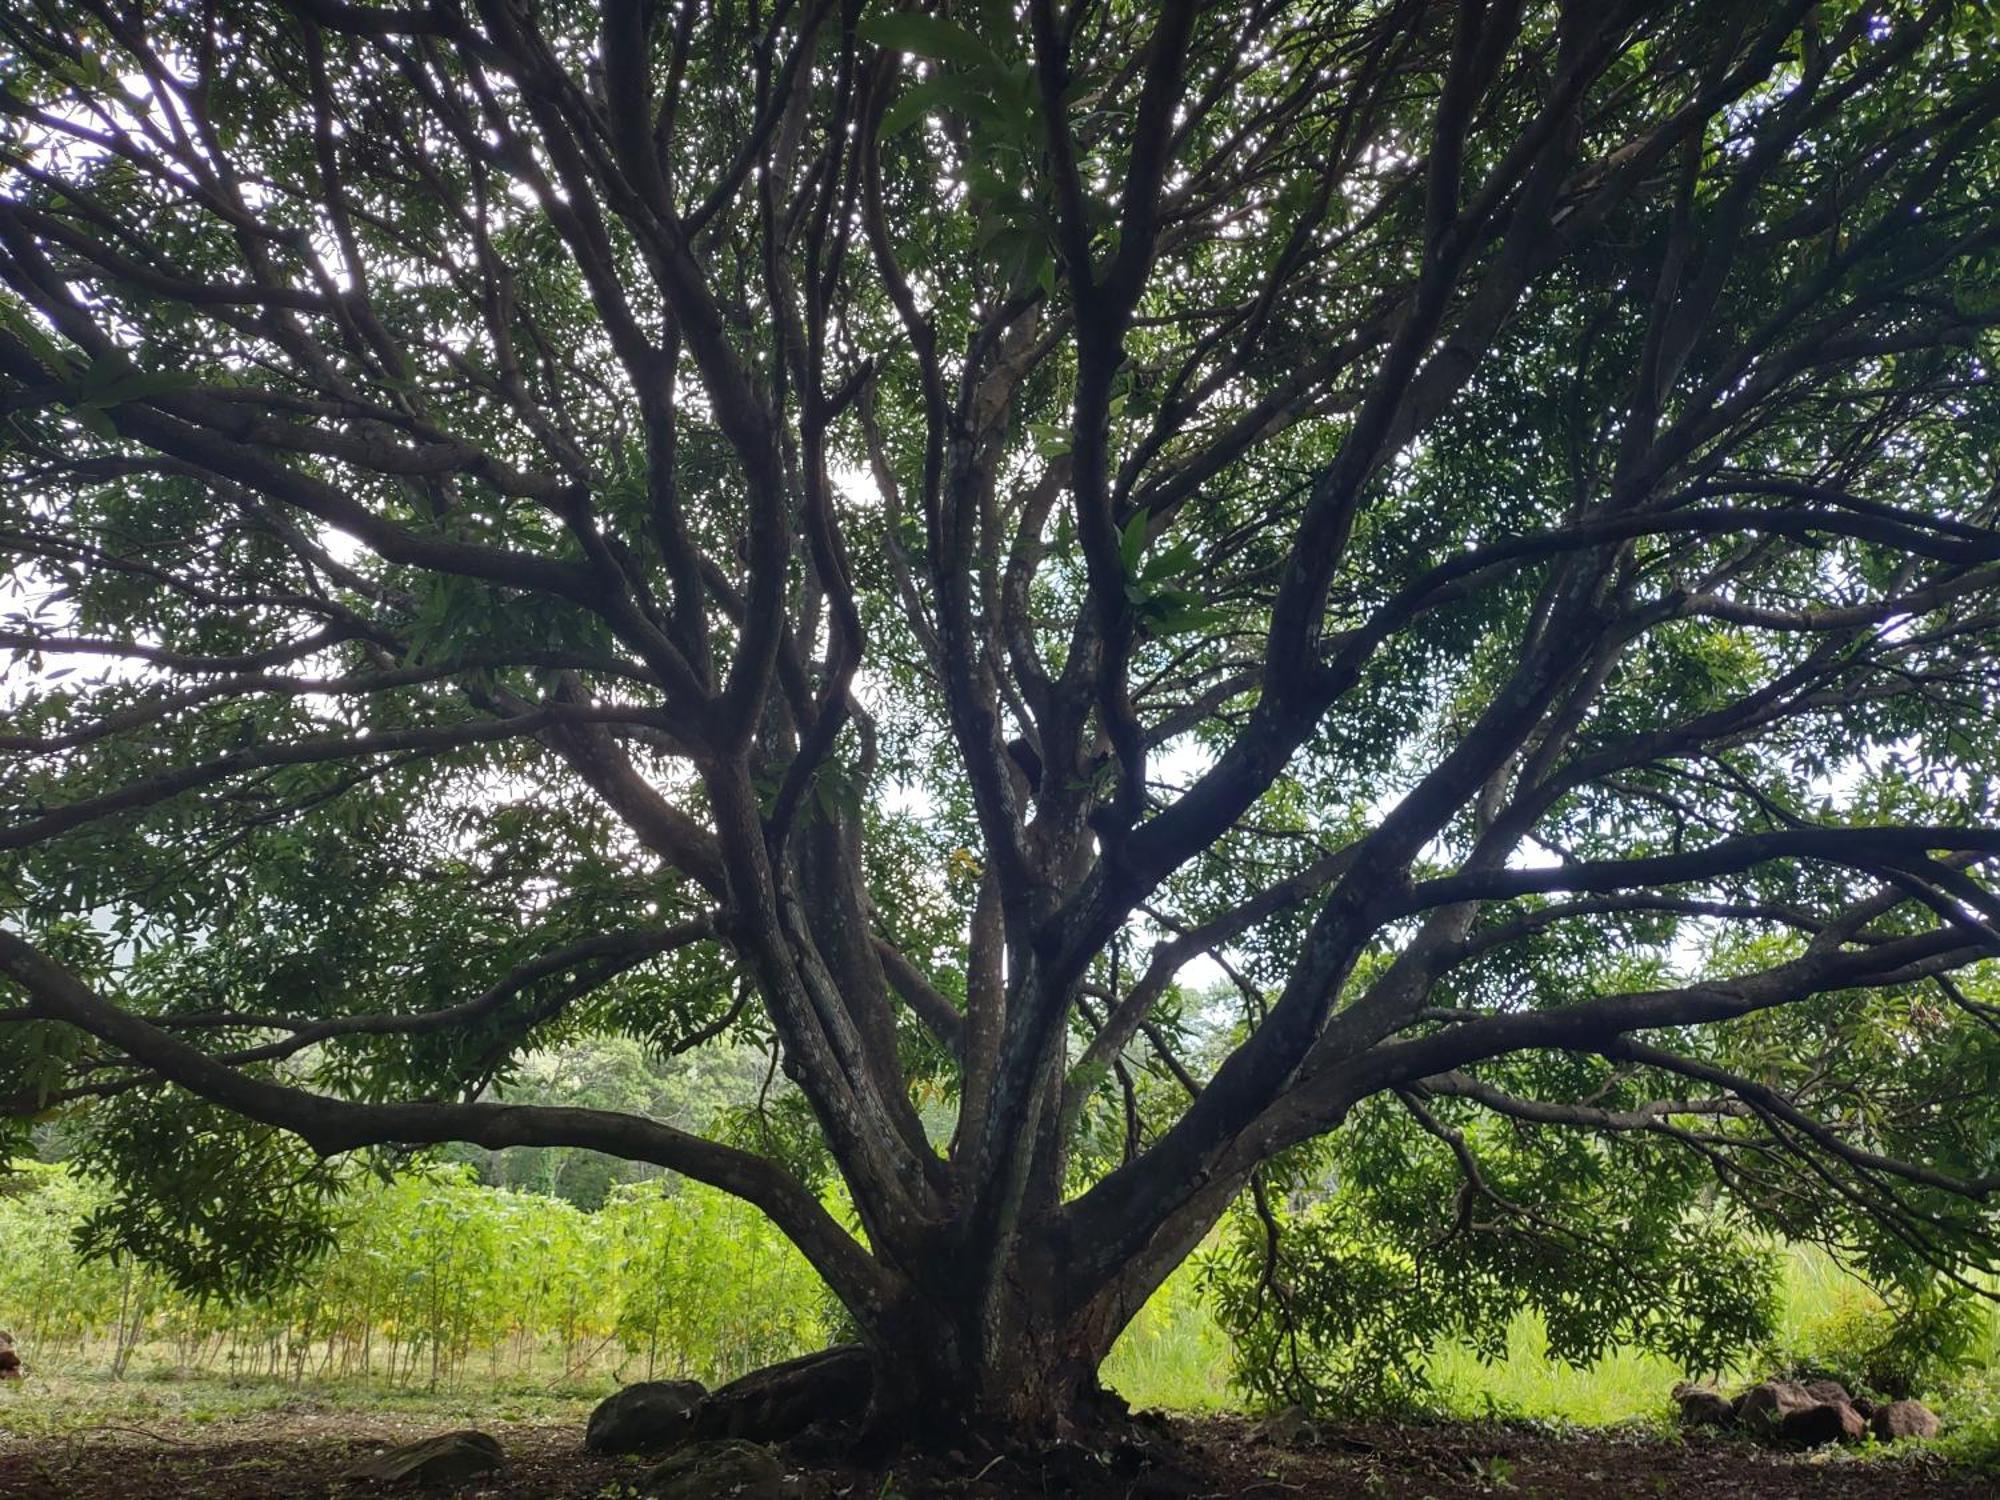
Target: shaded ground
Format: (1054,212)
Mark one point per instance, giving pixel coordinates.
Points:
(298,1456)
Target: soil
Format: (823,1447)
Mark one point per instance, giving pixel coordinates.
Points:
(300,1457)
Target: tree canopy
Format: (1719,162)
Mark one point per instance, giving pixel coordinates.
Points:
(925,541)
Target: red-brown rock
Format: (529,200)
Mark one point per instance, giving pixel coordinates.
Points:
(1904,1419)
(1704,1406)
(1764,1407)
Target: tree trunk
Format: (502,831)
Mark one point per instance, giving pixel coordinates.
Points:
(1037,1385)
(962,1371)
(1001,1362)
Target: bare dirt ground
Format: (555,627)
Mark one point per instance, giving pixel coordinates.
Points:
(299,1456)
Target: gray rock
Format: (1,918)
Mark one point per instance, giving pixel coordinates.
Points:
(1905,1419)
(451,1459)
(729,1470)
(649,1416)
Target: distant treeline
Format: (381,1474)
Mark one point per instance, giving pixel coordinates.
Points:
(432,1278)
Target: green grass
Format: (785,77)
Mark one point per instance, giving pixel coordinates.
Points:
(78,1396)
(1174,1355)
(1627,1385)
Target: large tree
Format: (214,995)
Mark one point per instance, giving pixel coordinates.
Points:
(891,535)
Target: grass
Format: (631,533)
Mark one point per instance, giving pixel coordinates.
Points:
(79,1396)
(1174,1355)
(1627,1385)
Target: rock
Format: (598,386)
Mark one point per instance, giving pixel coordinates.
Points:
(1904,1419)
(824,1444)
(1704,1406)
(1764,1407)
(1828,1390)
(1821,1423)
(771,1404)
(1288,1428)
(448,1460)
(730,1470)
(649,1416)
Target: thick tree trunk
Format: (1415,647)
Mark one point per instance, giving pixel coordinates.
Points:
(996,1352)
(1017,1380)
(924,1382)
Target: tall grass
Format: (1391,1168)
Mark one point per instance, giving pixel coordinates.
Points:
(1174,1355)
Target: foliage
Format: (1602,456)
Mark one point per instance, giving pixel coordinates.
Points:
(1344,1301)
(694,1090)
(1915,1343)
(1174,1355)
(217,1204)
(51,1292)
(558,1281)
(1973,1435)
(871,544)
(704,1273)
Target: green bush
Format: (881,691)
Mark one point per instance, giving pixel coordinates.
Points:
(710,1286)
(1385,1256)
(1971,1411)
(44,1288)
(1908,1344)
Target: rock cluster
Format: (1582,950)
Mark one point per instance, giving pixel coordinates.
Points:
(1803,1414)
(711,1439)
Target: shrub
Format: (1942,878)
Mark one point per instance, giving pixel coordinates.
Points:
(1909,1343)
(427,1274)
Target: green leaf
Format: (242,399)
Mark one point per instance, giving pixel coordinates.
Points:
(941,91)
(927,36)
(1170,562)
(917,101)
(94,420)
(1178,612)
(1132,542)
(39,344)
(1019,251)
